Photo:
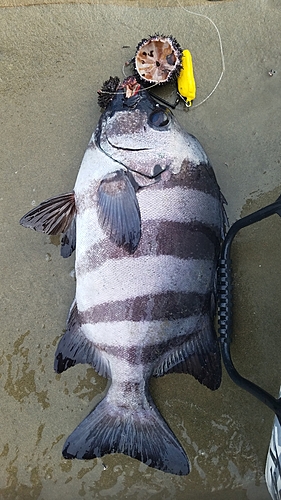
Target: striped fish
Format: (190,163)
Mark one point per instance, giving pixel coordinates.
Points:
(146,217)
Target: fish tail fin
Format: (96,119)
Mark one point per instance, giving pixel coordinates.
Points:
(141,434)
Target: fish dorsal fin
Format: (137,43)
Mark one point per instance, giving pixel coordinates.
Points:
(199,356)
(74,348)
(118,210)
(52,216)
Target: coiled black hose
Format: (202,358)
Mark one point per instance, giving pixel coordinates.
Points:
(225,306)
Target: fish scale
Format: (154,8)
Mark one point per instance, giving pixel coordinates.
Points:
(146,217)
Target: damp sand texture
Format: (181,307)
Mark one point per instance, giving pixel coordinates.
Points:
(53,60)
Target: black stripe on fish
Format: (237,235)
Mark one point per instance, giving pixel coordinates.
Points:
(163,306)
(200,177)
(196,353)
(193,240)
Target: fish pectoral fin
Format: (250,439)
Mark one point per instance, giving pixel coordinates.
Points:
(118,210)
(74,348)
(199,356)
(52,216)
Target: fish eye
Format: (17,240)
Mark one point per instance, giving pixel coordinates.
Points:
(159,118)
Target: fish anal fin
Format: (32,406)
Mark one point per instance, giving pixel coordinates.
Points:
(52,216)
(199,356)
(141,434)
(118,210)
(74,348)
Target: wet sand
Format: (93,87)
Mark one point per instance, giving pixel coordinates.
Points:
(53,60)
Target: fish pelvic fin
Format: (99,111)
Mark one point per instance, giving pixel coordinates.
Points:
(74,348)
(141,434)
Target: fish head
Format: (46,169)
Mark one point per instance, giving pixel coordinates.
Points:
(143,136)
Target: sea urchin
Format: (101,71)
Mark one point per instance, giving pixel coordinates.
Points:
(157,59)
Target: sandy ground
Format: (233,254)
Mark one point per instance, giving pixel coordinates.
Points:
(53,60)
(132,3)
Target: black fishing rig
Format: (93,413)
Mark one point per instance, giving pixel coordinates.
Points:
(225,306)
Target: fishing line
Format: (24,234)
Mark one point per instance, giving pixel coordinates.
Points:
(121,91)
(123,68)
(221,51)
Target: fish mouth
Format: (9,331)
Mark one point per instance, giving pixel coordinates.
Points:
(153,176)
(123,148)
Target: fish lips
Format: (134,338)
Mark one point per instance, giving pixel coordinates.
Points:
(139,151)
